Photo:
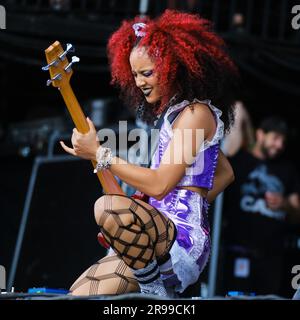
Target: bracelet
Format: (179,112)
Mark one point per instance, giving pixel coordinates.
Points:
(104,159)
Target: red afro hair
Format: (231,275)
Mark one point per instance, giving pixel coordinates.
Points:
(188,56)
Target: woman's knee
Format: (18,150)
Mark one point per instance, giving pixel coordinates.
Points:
(98,209)
(101,210)
(109,212)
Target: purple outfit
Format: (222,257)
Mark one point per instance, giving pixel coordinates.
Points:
(186,208)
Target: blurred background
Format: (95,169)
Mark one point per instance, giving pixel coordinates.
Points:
(47,229)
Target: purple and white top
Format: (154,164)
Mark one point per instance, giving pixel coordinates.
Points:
(202,170)
(186,208)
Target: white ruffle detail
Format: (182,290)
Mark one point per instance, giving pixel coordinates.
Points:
(187,272)
(220,124)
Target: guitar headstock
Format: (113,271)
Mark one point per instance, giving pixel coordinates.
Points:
(59,67)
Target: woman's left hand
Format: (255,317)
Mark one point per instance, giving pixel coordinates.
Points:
(84,145)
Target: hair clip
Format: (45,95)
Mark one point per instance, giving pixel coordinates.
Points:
(138,29)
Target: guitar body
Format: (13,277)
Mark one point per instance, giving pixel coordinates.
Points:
(140,196)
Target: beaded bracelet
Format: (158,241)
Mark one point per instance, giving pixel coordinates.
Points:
(104,159)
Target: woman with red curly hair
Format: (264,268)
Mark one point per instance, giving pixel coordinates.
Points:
(173,67)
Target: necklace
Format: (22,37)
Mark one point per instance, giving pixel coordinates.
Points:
(169,104)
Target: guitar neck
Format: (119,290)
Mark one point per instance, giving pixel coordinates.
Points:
(107,179)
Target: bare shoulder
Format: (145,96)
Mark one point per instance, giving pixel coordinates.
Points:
(196,115)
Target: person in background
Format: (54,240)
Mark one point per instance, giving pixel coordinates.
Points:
(241,134)
(264,197)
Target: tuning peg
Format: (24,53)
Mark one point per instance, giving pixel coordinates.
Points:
(57,77)
(74,60)
(53,63)
(69,48)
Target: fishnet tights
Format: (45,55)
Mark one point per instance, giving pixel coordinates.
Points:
(108,276)
(137,232)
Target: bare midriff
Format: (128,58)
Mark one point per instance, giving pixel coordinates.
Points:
(202,191)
